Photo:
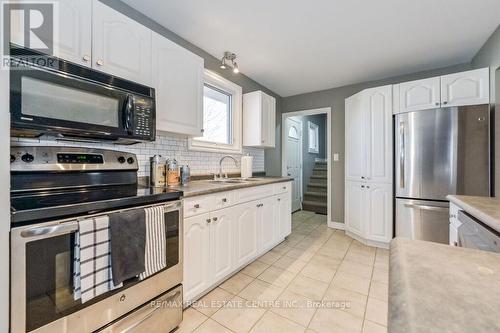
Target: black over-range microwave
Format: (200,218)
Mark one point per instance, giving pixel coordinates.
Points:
(49,95)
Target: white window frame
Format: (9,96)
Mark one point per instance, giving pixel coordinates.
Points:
(236,92)
(313,127)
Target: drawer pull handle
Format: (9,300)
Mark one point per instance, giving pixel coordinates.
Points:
(224,200)
(197,206)
(122,298)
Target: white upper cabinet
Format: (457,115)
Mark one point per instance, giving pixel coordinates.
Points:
(355,130)
(74,40)
(259,120)
(379,134)
(419,95)
(368,135)
(120,45)
(75,31)
(466,88)
(178,80)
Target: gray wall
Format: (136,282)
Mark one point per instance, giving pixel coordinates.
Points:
(335,98)
(489,55)
(308,159)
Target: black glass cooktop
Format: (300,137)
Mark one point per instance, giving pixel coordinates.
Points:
(34,207)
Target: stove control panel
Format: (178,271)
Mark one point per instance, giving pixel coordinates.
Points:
(44,158)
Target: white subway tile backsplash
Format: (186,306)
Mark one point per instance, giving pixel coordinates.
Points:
(167,146)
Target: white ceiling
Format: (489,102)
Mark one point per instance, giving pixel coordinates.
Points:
(298,46)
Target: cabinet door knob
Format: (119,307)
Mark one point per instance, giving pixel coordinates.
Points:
(86,58)
(362,186)
(437,103)
(99,62)
(224,200)
(362,177)
(215,219)
(209,220)
(368,187)
(197,206)
(445,102)
(279,199)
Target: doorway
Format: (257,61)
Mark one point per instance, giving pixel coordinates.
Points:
(306,157)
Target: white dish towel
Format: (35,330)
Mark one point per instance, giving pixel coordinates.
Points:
(92,274)
(156,247)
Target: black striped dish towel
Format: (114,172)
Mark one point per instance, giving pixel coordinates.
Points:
(92,259)
(156,252)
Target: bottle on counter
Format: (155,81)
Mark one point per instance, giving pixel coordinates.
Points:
(157,171)
(185,174)
(173,173)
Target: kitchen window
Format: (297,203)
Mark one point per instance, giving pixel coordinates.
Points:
(313,130)
(222,104)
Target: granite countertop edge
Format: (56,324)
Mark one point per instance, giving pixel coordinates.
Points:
(204,187)
(465,203)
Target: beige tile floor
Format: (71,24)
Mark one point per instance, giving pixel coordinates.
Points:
(317,280)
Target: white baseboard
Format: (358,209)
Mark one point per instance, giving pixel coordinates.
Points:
(336,225)
(368,242)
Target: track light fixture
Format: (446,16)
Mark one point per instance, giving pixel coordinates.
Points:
(228,60)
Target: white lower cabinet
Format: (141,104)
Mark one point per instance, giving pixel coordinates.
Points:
(197,273)
(368,212)
(247,224)
(284,207)
(218,242)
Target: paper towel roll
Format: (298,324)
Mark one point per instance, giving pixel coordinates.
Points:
(246,166)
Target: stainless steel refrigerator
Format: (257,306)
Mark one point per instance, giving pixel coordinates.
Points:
(438,152)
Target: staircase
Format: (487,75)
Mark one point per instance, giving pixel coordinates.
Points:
(315,199)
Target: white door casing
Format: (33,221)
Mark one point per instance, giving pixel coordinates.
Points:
(293,148)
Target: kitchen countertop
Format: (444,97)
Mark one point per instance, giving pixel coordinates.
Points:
(200,187)
(440,288)
(485,209)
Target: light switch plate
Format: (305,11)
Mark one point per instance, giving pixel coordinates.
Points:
(336,157)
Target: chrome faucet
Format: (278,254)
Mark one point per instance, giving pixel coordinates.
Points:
(220,164)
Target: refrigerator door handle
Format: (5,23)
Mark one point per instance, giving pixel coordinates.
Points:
(402,154)
(427,207)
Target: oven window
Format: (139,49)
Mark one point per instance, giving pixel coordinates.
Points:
(49,291)
(49,100)
(49,275)
(172,224)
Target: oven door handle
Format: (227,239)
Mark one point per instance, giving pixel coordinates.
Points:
(173,206)
(58,229)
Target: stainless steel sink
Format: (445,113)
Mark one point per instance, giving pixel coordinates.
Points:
(234,180)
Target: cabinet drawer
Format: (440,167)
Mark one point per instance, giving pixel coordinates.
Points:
(198,205)
(253,193)
(282,188)
(224,199)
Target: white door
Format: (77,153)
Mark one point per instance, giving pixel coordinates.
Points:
(74,41)
(284,216)
(355,136)
(355,207)
(293,148)
(246,231)
(221,243)
(379,134)
(196,255)
(379,207)
(267,223)
(178,79)
(420,95)
(466,88)
(121,46)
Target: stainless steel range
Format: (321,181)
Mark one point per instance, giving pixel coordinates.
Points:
(52,189)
